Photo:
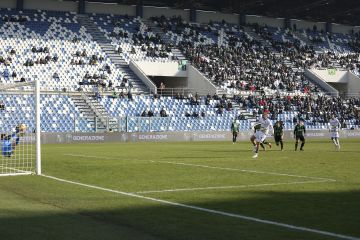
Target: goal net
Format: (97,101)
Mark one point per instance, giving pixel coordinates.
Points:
(19,129)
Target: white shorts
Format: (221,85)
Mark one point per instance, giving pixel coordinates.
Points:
(334,134)
(260,136)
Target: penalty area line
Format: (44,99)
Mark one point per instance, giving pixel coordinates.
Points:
(245,170)
(206,166)
(207,210)
(232,187)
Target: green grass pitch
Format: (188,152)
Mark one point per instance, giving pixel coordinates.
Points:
(315,189)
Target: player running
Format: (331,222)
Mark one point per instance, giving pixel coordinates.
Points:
(234,130)
(256,127)
(334,129)
(299,134)
(279,134)
(260,134)
(252,138)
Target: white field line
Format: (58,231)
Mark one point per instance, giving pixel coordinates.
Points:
(210,167)
(232,187)
(16,171)
(207,210)
(88,156)
(246,170)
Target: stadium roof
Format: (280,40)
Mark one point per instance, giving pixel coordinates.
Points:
(337,11)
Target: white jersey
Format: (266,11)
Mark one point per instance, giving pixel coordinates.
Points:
(266,125)
(334,125)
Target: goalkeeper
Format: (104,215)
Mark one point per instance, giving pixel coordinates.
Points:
(9,142)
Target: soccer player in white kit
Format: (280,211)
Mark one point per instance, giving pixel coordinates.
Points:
(334,130)
(261,134)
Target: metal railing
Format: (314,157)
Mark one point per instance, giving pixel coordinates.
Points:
(124,124)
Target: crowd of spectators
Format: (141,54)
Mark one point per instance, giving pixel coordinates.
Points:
(19,19)
(150,43)
(241,62)
(312,108)
(41,60)
(304,56)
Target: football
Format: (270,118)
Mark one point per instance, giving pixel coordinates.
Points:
(22,127)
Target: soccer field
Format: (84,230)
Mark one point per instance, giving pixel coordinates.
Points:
(202,190)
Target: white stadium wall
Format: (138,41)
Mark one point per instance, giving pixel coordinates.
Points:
(302,24)
(164,69)
(357,29)
(261,20)
(110,8)
(198,81)
(149,11)
(138,72)
(339,76)
(347,78)
(8,4)
(311,74)
(51,5)
(339,28)
(207,16)
(353,84)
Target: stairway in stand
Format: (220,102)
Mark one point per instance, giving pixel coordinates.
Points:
(94,113)
(110,51)
(155,29)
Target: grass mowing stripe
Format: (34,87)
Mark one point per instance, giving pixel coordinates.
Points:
(206,166)
(231,187)
(88,156)
(243,217)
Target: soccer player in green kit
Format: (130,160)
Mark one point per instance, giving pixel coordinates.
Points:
(279,134)
(299,134)
(234,130)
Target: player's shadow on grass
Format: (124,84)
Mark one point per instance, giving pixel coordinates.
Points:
(235,150)
(193,157)
(113,216)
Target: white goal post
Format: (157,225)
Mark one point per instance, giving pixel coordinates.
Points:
(20,145)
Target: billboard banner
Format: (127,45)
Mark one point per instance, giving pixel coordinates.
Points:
(174,136)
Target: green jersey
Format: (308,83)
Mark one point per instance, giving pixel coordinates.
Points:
(257,127)
(278,130)
(299,130)
(235,127)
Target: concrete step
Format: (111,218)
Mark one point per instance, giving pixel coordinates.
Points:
(109,49)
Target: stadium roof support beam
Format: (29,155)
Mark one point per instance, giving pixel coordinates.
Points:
(139,10)
(20,4)
(81,7)
(193,14)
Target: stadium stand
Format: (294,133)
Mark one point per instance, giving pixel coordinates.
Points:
(59,52)
(181,114)
(132,39)
(59,113)
(65,56)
